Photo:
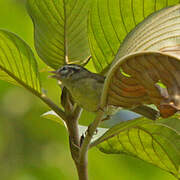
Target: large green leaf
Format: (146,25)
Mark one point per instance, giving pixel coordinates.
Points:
(5,77)
(156,142)
(17,62)
(60,30)
(158,32)
(111,21)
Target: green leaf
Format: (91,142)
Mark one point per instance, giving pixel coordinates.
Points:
(111,21)
(5,77)
(155,142)
(17,62)
(158,32)
(54,117)
(60,30)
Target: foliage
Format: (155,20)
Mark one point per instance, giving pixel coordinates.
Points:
(60,31)
(157,143)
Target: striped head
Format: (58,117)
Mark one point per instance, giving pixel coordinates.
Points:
(69,72)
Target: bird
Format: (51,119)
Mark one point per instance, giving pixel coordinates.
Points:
(86,87)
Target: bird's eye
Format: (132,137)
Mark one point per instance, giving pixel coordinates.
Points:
(64,71)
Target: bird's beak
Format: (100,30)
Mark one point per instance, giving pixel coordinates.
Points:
(55,76)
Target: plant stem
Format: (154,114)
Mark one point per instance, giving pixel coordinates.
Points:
(82,170)
(83,162)
(74,141)
(72,125)
(52,105)
(43,97)
(91,130)
(79,154)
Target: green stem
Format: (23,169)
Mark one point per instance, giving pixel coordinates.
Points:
(53,106)
(43,97)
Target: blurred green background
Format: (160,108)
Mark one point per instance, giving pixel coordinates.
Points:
(33,148)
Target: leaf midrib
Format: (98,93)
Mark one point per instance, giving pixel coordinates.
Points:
(21,82)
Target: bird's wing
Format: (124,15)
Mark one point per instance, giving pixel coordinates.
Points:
(98,77)
(146,111)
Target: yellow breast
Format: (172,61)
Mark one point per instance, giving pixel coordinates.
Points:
(87,93)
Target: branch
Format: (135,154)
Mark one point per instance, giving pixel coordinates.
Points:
(79,155)
(74,139)
(70,120)
(91,130)
(77,112)
(82,163)
(72,125)
(53,106)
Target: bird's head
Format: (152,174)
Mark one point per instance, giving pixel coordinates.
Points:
(69,72)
